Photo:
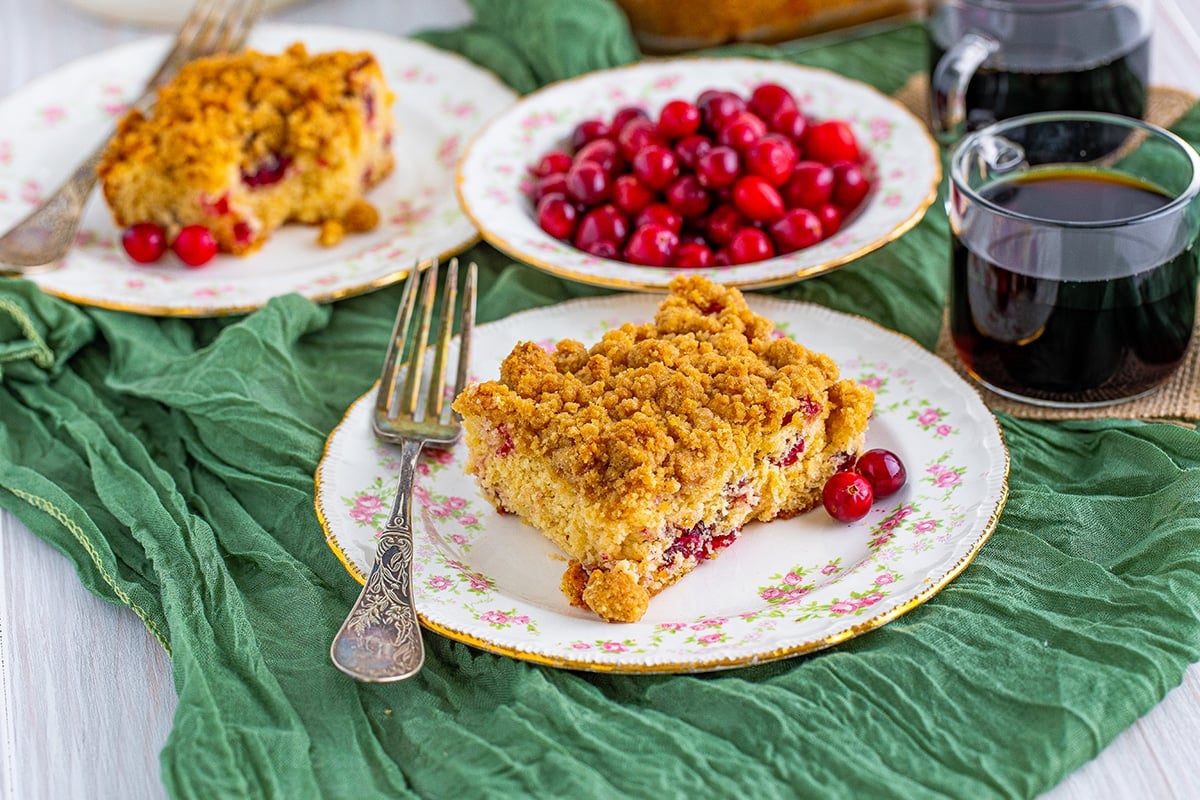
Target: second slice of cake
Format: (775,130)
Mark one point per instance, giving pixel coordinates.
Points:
(242,143)
(647,453)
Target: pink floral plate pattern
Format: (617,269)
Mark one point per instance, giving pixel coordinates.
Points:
(441,102)
(784,588)
(902,162)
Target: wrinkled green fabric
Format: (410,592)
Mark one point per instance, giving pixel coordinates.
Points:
(173,461)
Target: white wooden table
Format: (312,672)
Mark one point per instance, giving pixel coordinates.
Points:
(86,713)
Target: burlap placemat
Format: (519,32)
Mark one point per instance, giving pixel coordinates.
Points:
(1178,399)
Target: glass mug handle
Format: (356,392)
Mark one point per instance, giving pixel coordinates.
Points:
(948,84)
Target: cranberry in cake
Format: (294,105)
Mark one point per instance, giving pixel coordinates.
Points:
(241,144)
(646,454)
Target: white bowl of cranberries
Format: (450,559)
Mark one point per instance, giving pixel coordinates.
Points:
(753,173)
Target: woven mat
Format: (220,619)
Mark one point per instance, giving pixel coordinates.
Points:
(1178,399)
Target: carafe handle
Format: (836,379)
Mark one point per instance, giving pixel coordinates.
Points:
(948,84)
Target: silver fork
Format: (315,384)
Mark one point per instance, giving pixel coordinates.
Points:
(43,237)
(380,641)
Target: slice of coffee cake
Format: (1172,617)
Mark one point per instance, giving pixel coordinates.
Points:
(646,454)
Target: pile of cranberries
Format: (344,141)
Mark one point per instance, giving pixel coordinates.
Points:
(146,242)
(848,494)
(723,180)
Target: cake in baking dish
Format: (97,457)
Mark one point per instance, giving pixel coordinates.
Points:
(646,454)
(246,142)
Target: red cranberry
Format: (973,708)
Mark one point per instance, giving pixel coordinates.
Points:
(719,167)
(505,448)
(790,123)
(769,99)
(145,242)
(772,157)
(757,199)
(588,183)
(626,115)
(718,107)
(811,185)
(687,196)
(551,184)
(587,131)
(631,195)
(552,162)
(850,185)
(220,208)
(678,118)
(242,232)
(556,215)
(195,245)
(723,223)
(638,134)
(883,470)
(831,141)
(605,153)
(796,229)
(750,244)
(651,245)
(270,171)
(847,496)
(742,131)
(692,254)
(601,223)
(603,248)
(690,148)
(792,455)
(660,214)
(831,218)
(656,166)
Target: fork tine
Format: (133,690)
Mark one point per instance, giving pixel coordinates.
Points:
(437,387)
(385,398)
(235,29)
(202,16)
(466,327)
(416,361)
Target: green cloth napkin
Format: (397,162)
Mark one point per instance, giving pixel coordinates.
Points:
(172,461)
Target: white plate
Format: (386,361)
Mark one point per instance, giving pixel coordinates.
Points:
(441,101)
(784,588)
(902,161)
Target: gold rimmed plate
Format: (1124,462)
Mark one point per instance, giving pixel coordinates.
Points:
(784,588)
(442,100)
(493,178)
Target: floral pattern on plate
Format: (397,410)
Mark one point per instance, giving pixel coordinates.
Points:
(784,588)
(902,161)
(442,100)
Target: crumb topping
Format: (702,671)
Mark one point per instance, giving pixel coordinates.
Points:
(247,109)
(651,408)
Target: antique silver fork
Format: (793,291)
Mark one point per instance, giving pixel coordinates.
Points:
(380,641)
(38,241)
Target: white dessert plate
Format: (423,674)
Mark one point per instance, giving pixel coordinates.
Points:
(441,101)
(493,177)
(784,588)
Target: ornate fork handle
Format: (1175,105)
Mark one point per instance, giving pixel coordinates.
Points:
(380,640)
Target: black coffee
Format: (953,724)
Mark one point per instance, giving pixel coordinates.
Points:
(1094,64)
(1069,340)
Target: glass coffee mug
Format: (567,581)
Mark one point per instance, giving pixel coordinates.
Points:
(996,59)
(1074,264)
